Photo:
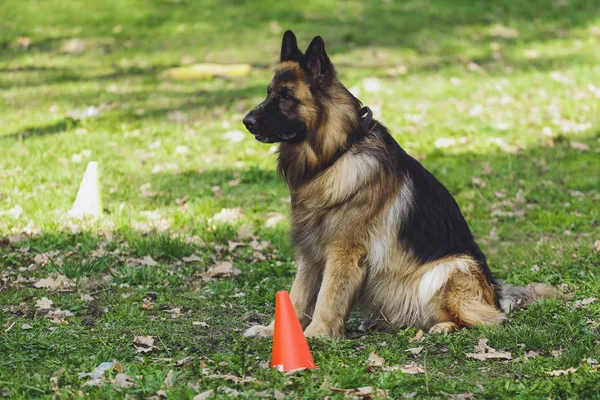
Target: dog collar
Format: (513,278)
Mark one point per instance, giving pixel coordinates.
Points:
(367,119)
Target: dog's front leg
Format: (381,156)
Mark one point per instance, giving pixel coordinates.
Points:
(342,279)
(303,295)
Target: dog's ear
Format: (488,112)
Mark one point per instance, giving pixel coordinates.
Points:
(317,61)
(289,48)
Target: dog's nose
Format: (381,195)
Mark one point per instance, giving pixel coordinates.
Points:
(250,121)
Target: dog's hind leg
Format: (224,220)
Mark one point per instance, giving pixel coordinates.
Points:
(464,299)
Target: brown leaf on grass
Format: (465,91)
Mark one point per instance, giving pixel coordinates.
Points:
(54,383)
(146,261)
(221,270)
(184,362)
(417,338)
(411,369)
(245,232)
(147,304)
(365,392)
(583,147)
(504,146)
(415,350)
(485,352)
(45,258)
(122,381)
(169,379)
(557,353)
(204,395)
(226,216)
(560,372)
(584,302)
(273,219)
(260,245)
(231,377)
(94,382)
(61,282)
(200,323)
(26,327)
(480,183)
(192,258)
(293,371)
(460,396)
(58,316)
(528,355)
(596,246)
(44,304)
(375,360)
(175,312)
(234,245)
(143,344)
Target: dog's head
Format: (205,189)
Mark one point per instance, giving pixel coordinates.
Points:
(291,108)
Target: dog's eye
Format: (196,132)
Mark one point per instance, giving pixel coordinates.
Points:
(286,96)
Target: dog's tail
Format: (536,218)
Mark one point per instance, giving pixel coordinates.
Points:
(514,297)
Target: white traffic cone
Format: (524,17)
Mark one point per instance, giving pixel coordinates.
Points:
(88,200)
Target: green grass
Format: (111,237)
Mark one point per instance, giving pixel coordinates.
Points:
(490,73)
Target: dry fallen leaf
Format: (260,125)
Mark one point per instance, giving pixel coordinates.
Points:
(143,344)
(417,338)
(184,362)
(260,245)
(226,216)
(175,312)
(365,392)
(557,353)
(58,316)
(480,183)
(26,327)
(485,352)
(60,282)
(375,360)
(231,377)
(583,147)
(273,219)
(200,323)
(584,302)
(146,261)
(192,258)
(560,372)
(45,258)
(221,270)
(147,304)
(528,355)
(169,379)
(406,369)
(204,395)
(44,304)
(122,381)
(414,350)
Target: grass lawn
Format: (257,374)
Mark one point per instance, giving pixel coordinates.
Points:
(500,100)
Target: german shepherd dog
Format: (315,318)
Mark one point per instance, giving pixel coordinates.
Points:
(370,226)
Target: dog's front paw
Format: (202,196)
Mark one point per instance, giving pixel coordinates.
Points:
(443,328)
(259,331)
(315,330)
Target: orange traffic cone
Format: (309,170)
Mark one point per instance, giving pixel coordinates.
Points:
(290,349)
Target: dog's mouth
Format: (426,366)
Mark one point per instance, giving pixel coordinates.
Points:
(265,139)
(282,137)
